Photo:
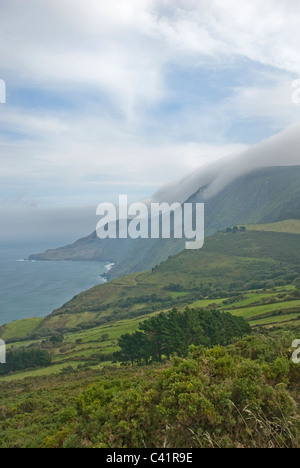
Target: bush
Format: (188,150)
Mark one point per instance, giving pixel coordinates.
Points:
(213,398)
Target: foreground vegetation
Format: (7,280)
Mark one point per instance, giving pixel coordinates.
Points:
(242,395)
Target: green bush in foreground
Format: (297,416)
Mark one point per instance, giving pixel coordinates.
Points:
(212,398)
(241,395)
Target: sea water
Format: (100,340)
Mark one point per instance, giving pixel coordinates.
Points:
(35,289)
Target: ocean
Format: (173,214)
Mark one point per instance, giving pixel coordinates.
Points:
(35,289)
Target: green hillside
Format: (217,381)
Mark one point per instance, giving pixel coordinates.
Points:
(264,196)
(227,263)
(223,273)
(291,226)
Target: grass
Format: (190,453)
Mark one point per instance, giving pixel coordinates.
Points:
(42,372)
(178,294)
(203,303)
(291,226)
(254,311)
(285,318)
(20,328)
(253,298)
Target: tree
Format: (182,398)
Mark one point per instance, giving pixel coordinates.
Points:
(167,334)
(58,338)
(24,359)
(134,348)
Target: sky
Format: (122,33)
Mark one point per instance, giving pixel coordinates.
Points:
(109,97)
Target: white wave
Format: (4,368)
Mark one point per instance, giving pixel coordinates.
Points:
(109,266)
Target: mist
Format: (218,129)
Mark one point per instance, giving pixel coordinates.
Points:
(47,227)
(282,149)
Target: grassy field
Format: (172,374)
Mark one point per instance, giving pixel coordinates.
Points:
(251,312)
(20,329)
(283,319)
(90,347)
(291,226)
(42,372)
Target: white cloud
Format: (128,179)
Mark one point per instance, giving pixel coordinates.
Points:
(124,47)
(37,124)
(123,50)
(266,31)
(272,102)
(280,150)
(86,161)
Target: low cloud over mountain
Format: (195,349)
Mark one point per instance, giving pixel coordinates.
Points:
(282,149)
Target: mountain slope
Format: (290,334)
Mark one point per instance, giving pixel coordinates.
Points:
(227,263)
(90,248)
(264,195)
